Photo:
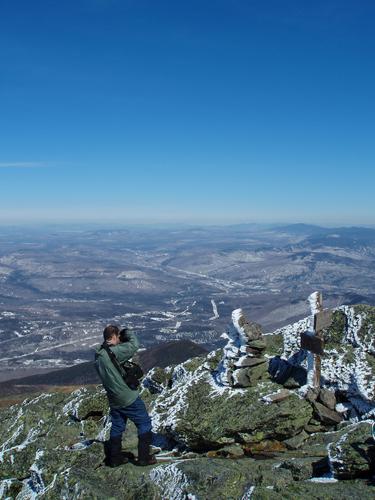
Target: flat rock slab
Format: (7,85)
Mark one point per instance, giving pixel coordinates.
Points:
(252,330)
(327,398)
(276,397)
(259,344)
(326,415)
(250,361)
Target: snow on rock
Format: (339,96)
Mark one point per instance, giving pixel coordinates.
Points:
(241,353)
(346,364)
(247,495)
(291,336)
(172,481)
(175,401)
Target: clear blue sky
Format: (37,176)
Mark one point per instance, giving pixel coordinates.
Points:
(152,110)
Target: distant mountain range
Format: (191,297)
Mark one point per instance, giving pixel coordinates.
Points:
(85,374)
(60,287)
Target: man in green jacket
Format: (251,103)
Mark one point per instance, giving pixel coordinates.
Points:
(124,402)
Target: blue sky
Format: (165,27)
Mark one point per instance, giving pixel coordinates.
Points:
(196,111)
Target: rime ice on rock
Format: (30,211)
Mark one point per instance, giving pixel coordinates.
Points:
(243,362)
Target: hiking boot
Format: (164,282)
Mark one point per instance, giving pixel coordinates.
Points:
(114,454)
(144,457)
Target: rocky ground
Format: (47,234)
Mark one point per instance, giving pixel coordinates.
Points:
(235,432)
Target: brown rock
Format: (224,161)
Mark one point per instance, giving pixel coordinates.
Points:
(264,447)
(253,331)
(257,372)
(325,415)
(327,398)
(277,396)
(240,378)
(232,451)
(311,395)
(247,376)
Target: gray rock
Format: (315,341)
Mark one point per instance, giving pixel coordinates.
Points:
(327,398)
(325,415)
(258,345)
(250,361)
(311,395)
(233,451)
(313,428)
(353,451)
(300,468)
(277,396)
(252,330)
(296,442)
(240,378)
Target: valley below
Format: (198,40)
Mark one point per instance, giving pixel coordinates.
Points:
(60,286)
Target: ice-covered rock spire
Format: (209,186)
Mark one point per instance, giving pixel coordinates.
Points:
(243,361)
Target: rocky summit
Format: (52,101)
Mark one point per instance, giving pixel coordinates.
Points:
(238,423)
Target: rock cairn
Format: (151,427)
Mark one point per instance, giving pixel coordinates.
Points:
(243,363)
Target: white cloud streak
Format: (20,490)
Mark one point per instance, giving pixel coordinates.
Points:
(24,164)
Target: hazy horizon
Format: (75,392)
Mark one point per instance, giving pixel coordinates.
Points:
(108,224)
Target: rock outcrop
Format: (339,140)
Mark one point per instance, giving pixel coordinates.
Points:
(221,422)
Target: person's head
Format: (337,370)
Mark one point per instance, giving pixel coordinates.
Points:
(111,334)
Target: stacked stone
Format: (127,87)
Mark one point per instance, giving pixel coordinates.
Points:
(243,363)
(325,407)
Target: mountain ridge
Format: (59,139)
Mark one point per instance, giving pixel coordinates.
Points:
(222,424)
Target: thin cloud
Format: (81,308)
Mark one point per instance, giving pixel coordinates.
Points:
(24,164)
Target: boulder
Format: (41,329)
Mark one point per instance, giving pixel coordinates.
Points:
(198,413)
(297,441)
(352,452)
(300,468)
(327,398)
(276,397)
(325,415)
(311,395)
(240,378)
(253,331)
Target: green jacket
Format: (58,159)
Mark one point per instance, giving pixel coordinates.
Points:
(119,394)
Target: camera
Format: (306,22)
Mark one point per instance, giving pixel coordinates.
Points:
(124,337)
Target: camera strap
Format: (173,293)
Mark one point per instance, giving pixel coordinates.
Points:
(115,361)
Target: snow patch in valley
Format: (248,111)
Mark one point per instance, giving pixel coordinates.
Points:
(214,310)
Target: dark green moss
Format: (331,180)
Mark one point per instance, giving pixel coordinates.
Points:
(366,333)
(333,336)
(275,344)
(192,364)
(161,376)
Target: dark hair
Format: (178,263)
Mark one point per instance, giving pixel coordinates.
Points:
(110,331)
